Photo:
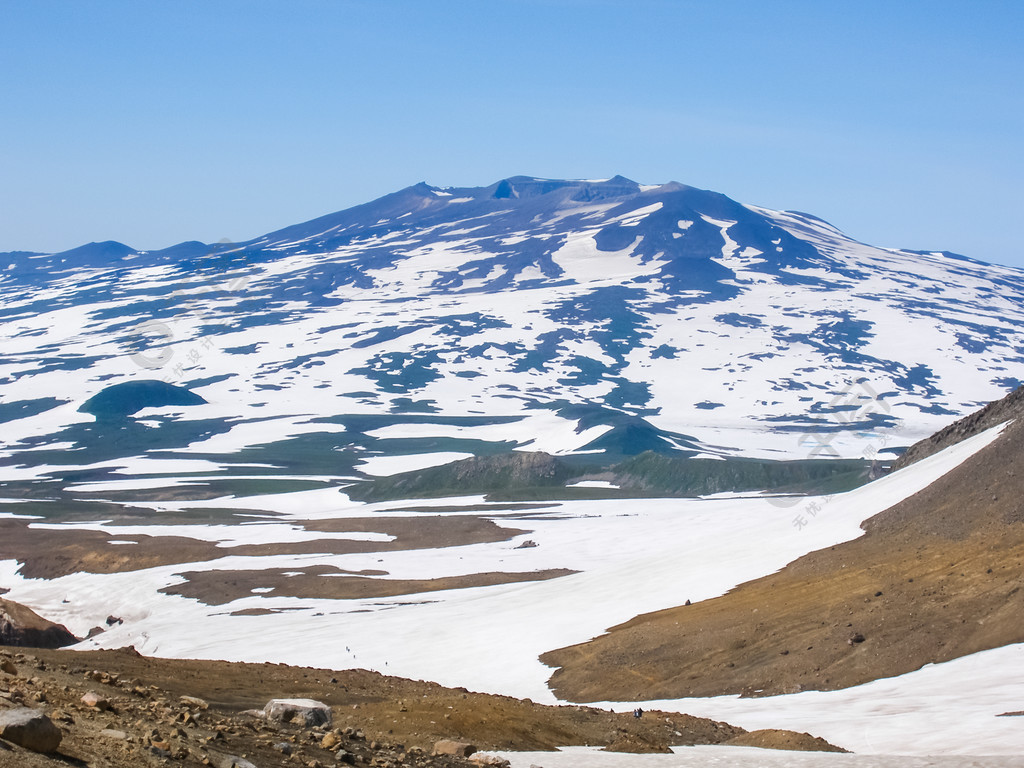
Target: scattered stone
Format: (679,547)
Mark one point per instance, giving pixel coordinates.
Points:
(330,740)
(95,701)
(194,703)
(456,748)
(284,747)
(528,544)
(8,666)
(857,638)
(110,733)
(112,620)
(310,712)
(31,729)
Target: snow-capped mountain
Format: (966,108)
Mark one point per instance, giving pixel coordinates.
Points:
(182,429)
(561,316)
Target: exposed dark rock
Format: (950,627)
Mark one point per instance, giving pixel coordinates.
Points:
(23,627)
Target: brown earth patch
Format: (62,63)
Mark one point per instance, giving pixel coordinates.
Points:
(327,582)
(771,738)
(51,553)
(935,577)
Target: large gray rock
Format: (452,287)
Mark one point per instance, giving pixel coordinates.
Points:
(310,712)
(31,729)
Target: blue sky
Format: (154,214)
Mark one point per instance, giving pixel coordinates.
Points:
(151,123)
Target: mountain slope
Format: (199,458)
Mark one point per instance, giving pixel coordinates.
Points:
(554,316)
(935,577)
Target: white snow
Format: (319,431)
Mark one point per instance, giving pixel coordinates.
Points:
(382,466)
(746,757)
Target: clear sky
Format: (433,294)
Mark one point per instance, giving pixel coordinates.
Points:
(901,122)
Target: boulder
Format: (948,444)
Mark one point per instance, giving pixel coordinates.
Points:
(311,713)
(457,748)
(94,700)
(31,729)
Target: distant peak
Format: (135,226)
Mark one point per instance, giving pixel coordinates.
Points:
(110,249)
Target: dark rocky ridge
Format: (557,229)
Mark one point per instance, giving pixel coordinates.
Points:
(993,414)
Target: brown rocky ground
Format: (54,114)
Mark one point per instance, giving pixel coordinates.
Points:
(51,553)
(377,720)
(323,581)
(934,578)
(772,738)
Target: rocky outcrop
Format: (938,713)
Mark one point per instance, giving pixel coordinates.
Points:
(23,627)
(457,748)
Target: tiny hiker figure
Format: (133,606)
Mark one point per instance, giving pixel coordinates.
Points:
(638,713)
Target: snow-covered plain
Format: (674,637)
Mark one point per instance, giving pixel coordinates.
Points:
(631,557)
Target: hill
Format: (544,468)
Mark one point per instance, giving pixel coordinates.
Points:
(933,578)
